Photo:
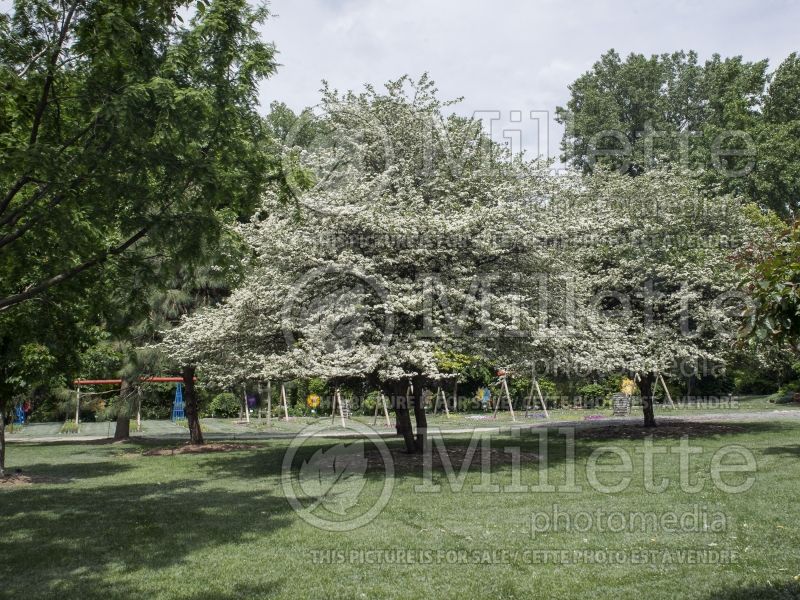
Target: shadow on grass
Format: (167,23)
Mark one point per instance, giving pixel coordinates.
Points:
(67,471)
(87,543)
(267,461)
(784,450)
(784,591)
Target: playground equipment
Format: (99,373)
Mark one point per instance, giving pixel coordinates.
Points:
(178,405)
(502,380)
(385,411)
(284,401)
(485,398)
(535,385)
(90,382)
(19,415)
(269,403)
(337,401)
(659,379)
(268,409)
(441,395)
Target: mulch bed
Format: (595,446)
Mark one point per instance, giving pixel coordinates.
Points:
(199,449)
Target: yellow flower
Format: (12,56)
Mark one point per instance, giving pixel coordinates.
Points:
(628,386)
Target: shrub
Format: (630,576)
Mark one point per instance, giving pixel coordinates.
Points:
(592,395)
(224,405)
(784,395)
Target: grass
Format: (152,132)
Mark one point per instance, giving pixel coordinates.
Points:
(109,522)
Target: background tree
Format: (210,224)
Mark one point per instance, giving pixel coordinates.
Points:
(775,181)
(124,132)
(641,113)
(41,343)
(35,367)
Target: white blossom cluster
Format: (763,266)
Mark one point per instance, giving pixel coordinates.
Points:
(418,234)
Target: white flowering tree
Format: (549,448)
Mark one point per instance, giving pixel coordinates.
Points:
(414,237)
(654,257)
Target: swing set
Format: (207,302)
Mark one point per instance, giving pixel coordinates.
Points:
(502,381)
(177,406)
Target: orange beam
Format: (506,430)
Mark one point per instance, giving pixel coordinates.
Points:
(119,381)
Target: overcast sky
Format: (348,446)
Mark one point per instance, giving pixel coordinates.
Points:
(505,56)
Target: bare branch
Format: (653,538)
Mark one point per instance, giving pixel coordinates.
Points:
(33,60)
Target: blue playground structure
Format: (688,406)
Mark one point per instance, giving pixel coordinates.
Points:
(177,406)
(486,398)
(19,415)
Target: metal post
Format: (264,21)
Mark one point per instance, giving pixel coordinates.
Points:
(541,398)
(269,403)
(508,397)
(341,407)
(77,406)
(385,410)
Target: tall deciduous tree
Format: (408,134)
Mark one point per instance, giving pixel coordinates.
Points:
(123,132)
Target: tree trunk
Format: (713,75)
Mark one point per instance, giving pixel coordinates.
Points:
(123,429)
(404,428)
(646,388)
(419,414)
(190,405)
(2,438)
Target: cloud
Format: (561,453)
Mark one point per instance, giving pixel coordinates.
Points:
(513,55)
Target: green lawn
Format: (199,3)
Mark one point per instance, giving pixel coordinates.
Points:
(112,522)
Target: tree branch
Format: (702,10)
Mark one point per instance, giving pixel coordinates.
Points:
(18,185)
(33,60)
(20,231)
(31,291)
(48,81)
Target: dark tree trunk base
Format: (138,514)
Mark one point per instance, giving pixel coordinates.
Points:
(397,393)
(190,406)
(419,415)
(646,388)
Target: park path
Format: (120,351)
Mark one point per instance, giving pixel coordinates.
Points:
(40,433)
